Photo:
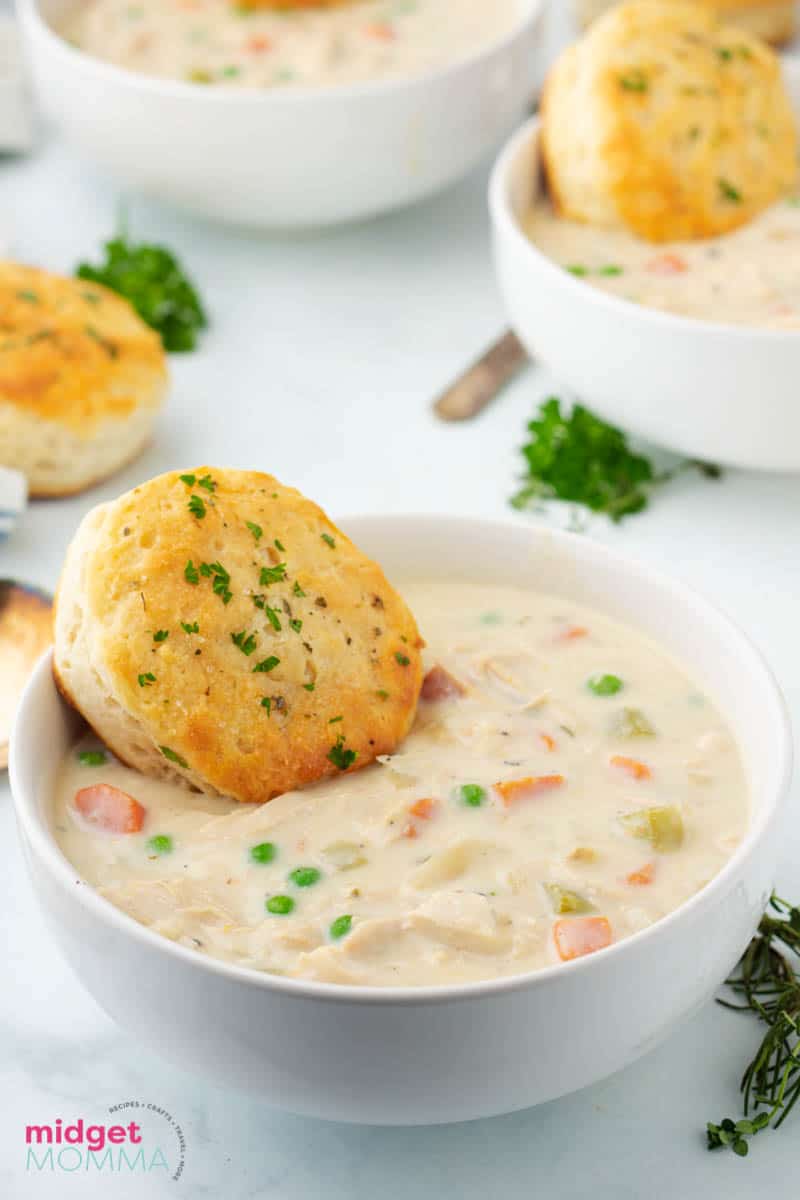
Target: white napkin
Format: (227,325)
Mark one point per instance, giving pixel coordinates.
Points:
(16,110)
(13,499)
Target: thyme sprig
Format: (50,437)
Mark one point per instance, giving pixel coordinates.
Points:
(767,984)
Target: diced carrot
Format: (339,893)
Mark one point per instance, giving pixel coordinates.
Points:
(549,742)
(525,789)
(667,264)
(423,809)
(573,633)
(643,876)
(110,809)
(439,684)
(632,767)
(576,936)
(410,830)
(257,43)
(381,30)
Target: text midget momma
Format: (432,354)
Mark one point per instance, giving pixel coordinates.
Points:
(60,1147)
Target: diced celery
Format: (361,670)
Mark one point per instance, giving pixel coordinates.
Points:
(564,901)
(662,827)
(631,723)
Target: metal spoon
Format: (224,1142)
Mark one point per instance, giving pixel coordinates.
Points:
(26,630)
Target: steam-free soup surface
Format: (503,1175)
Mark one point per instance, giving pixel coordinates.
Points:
(220,42)
(565,785)
(750,277)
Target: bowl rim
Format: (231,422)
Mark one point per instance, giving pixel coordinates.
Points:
(506,224)
(44,847)
(32,19)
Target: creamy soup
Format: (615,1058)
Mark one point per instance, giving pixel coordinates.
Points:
(217,42)
(750,277)
(565,785)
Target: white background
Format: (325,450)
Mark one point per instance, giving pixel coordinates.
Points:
(323,354)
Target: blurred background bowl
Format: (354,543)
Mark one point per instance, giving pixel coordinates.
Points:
(284,158)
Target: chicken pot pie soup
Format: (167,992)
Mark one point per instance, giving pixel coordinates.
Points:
(565,785)
(221,42)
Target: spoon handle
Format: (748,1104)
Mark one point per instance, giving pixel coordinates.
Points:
(481,383)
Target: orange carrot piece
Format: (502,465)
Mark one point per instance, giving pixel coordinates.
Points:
(667,264)
(110,809)
(423,809)
(643,876)
(381,30)
(410,830)
(632,767)
(576,936)
(258,43)
(549,742)
(525,789)
(572,633)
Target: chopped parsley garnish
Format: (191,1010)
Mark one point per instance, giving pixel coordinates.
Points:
(341,926)
(161,635)
(28,296)
(190,573)
(245,641)
(610,271)
(578,270)
(297,590)
(256,530)
(580,458)
(91,758)
(273,618)
(189,480)
(634,81)
(147,679)
(328,540)
(280,546)
(197,507)
(334,720)
(161,843)
(272,574)
(605,685)
(219,580)
(208,483)
(295,625)
(309,687)
(105,343)
(190,628)
(403,659)
(729,192)
(266,664)
(152,279)
(339,756)
(382,694)
(173,756)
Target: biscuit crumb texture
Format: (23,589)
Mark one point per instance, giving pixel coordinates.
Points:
(665,122)
(215,628)
(82,378)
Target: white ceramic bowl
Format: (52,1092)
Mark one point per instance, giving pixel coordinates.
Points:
(284,157)
(724,393)
(427,1055)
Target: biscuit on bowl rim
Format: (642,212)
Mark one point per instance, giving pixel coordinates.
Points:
(82,379)
(662,121)
(216,629)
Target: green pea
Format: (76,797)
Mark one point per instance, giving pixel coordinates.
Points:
(472,794)
(160,844)
(605,685)
(341,926)
(264,852)
(280,906)
(91,758)
(305,876)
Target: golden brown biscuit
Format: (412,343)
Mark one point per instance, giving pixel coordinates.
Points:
(215,627)
(773,20)
(662,121)
(81,380)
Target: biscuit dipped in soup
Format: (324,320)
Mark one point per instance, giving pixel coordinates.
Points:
(264,45)
(670,152)
(564,786)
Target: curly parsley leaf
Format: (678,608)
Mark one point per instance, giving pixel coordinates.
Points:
(582,459)
(152,279)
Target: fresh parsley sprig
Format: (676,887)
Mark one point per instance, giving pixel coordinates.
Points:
(768,984)
(157,286)
(580,458)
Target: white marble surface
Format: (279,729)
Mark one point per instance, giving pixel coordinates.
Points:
(323,354)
